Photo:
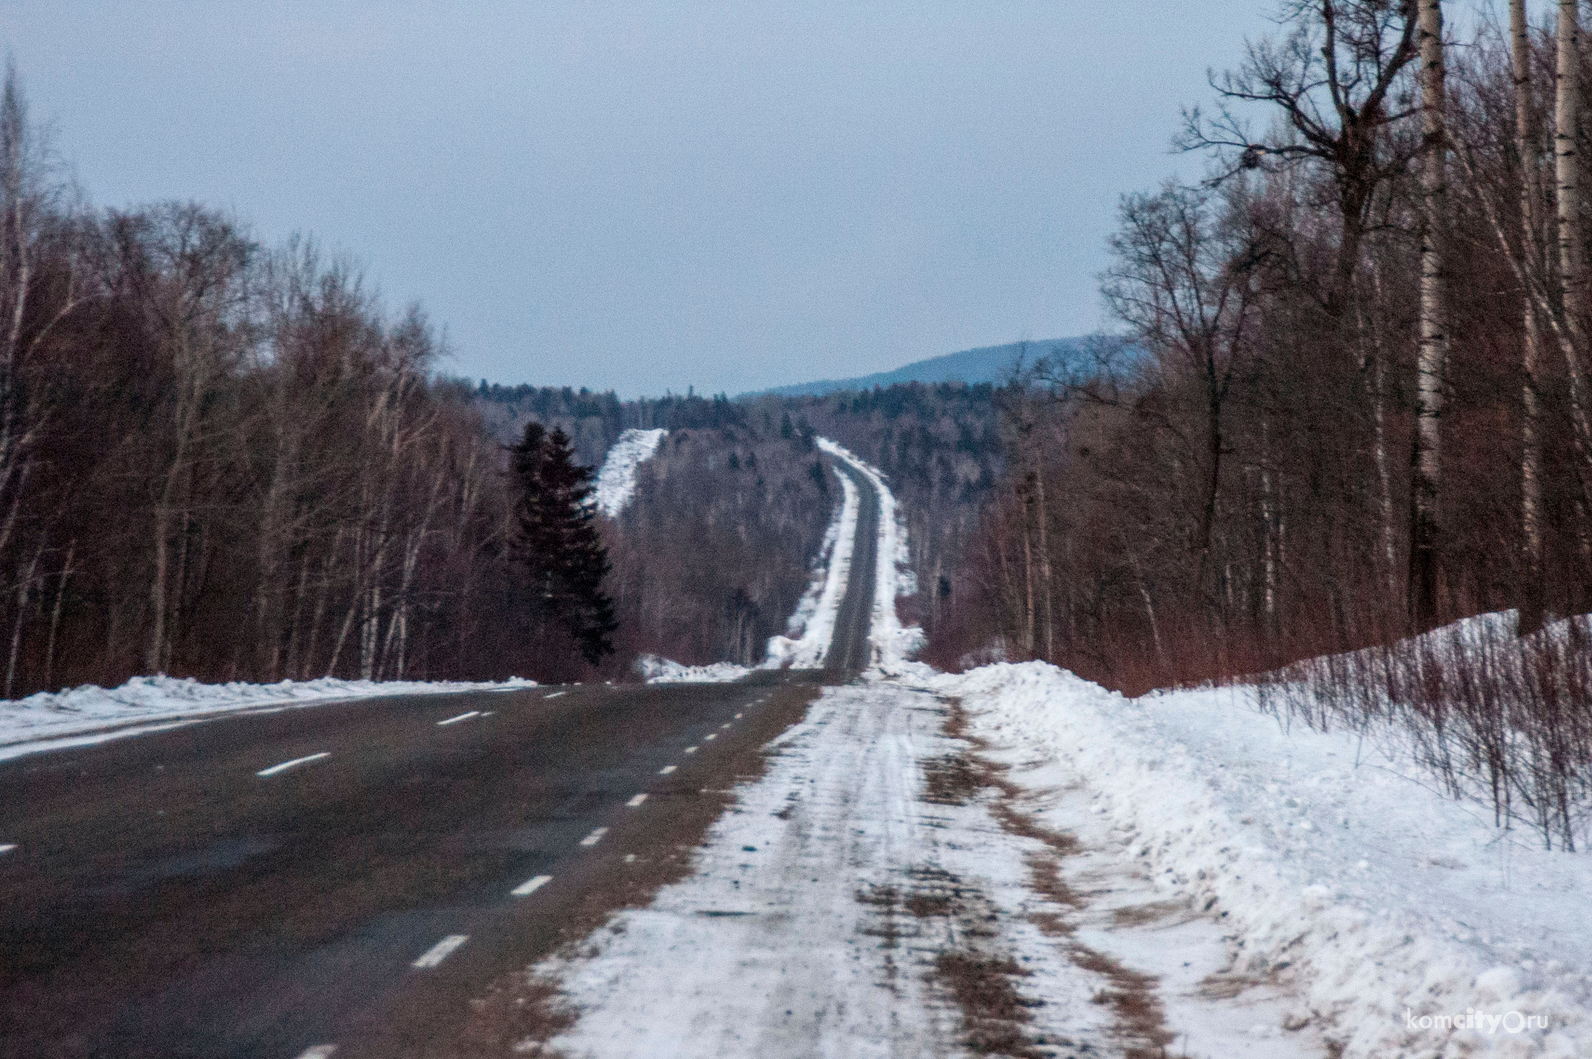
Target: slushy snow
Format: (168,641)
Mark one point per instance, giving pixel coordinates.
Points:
(616,481)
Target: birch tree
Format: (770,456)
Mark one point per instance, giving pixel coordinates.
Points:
(1572,256)
(1432,361)
(1531,605)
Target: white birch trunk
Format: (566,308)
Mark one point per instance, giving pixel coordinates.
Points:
(1531,607)
(1432,360)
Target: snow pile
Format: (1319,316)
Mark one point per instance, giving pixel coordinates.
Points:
(1496,717)
(616,482)
(812,625)
(1407,924)
(44,720)
(892,644)
(656,670)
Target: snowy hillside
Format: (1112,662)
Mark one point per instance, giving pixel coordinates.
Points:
(616,482)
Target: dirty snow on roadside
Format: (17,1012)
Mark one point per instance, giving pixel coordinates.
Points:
(1393,920)
(879,892)
(820,909)
(616,481)
(53,719)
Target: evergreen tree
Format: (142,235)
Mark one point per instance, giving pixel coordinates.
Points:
(556,541)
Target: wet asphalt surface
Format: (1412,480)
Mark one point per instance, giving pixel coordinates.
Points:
(166,901)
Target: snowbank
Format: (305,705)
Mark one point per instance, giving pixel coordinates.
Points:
(812,624)
(1410,925)
(48,720)
(656,670)
(616,482)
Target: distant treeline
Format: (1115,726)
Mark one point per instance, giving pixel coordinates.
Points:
(716,548)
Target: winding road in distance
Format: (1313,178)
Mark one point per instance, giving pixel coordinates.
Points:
(349,877)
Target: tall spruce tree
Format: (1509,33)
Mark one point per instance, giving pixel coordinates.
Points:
(556,541)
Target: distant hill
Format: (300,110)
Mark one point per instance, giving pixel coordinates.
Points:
(986,364)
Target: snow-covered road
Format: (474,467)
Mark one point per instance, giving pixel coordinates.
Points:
(883,891)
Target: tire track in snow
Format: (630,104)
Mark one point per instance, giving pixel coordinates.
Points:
(779,946)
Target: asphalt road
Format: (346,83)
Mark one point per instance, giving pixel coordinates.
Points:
(271,884)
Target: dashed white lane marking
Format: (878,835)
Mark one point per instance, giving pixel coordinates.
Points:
(487,713)
(7,847)
(554,695)
(284,766)
(595,837)
(441,950)
(319,1051)
(667,769)
(739,716)
(530,886)
(690,750)
(636,801)
(711,736)
(726,724)
(461,717)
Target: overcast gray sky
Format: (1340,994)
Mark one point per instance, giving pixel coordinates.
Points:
(648,195)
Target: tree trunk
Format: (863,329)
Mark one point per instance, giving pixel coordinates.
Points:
(1433,357)
(1531,598)
(55,617)
(24,593)
(1572,261)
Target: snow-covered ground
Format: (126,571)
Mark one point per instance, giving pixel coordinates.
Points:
(655,670)
(1335,869)
(616,481)
(1266,892)
(855,903)
(90,714)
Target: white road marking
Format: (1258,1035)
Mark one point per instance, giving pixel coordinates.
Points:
(319,1051)
(461,717)
(636,801)
(739,716)
(667,769)
(711,736)
(530,886)
(595,837)
(487,713)
(441,950)
(554,695)
(8,847)
(690,750)
(284,766)
(726,724)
